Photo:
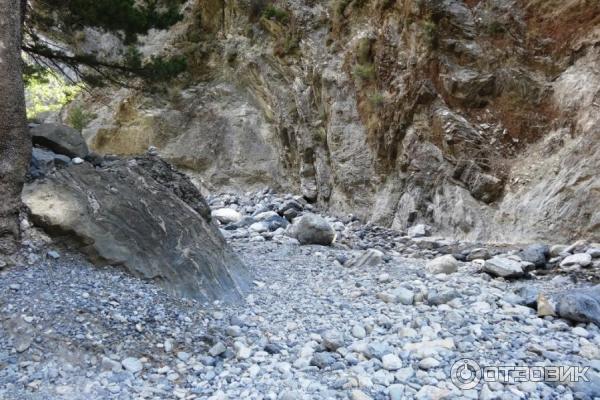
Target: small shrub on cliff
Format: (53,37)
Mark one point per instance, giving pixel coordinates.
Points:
(287,45)
(376,99)
(363,51)
(366,72)
(277,14)
(431,33)
(320,135)
(495,28)
(79,118)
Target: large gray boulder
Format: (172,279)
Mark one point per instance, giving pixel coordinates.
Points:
(580,305)
(226,215)
(443,265)
(537,254)
(121,215)
(503,267)
(60,139)
(312,229)
(582,259)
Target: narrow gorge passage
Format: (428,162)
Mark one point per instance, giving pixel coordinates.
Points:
(299,199)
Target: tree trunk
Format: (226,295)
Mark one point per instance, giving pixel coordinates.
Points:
(15,143)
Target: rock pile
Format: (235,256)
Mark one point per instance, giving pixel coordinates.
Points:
(312,328)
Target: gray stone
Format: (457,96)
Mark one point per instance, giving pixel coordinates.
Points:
(276,222)
(377,350)
(403,295)
(503,267)
(332,340)
(537,254)
(594,252)
(53,254)
(262,216)
(61,139)
(145,228)
(419,230)
(437,298)
(234,331)
(22,342)
(479,253)
(429,363)
(108,364)
(242,351)
(218,349)
(226,215)
(443,265)
(399,295)
(259,227)
(468,85)
(582,259)
(359,395)
(396,391)
(322,360)
(290,205)
(391,362)
(312,229)
(176,182)
(359,332)
(481,185)
(529,294)
(581,305)
(368,259)
(132,364)
(557,249)
(45,161)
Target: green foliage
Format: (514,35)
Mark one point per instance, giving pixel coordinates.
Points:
(363,51)
(47,92)
(320,135)
(133,57)
(276,14)
(365,72)
(128,16)
(290,43)
(34,74)
(431,33)
(359,3)
(376,99)
(79,118)
(160,69)
(495,28)
(59,21)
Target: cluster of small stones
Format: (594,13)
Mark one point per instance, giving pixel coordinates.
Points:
(377,314)
(265,216)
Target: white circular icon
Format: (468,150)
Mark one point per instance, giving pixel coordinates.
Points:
(465,374)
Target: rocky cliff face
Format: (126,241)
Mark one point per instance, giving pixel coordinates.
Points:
(480,118)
